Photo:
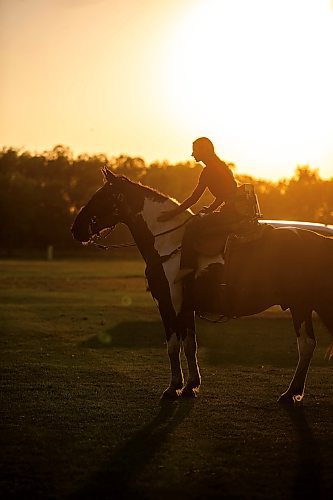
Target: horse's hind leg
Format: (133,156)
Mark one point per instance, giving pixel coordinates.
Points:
(306,344)
(325,313)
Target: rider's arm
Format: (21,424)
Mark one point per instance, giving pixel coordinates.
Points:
(191,200)
(214,206)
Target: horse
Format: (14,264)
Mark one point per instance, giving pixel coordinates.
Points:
(289,267)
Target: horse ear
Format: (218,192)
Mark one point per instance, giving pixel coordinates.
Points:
(108,175)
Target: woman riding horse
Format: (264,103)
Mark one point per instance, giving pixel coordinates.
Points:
(219,179)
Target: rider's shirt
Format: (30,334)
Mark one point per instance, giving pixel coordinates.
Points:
(219,179)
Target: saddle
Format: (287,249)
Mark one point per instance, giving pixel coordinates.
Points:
(245,230)
(217,242)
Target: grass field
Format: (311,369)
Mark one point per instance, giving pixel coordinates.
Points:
(84,364)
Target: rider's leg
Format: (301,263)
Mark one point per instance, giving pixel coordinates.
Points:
(193,232)
(204,226)
(188,254)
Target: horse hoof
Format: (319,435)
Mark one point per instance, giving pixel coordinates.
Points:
(189,392)
(170,394)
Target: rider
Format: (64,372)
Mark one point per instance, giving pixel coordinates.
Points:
(219,179)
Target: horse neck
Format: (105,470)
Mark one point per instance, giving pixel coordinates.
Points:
(144,227)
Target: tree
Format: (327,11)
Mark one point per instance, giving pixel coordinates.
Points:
(40,194)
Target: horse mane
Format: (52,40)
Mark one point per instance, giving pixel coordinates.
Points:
(150,192)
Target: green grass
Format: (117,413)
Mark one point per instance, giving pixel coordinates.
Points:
(84,363)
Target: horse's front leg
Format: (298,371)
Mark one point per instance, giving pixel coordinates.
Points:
(177,380)
(187,328)
(306,344)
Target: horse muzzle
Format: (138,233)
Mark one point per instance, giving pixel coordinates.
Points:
(80,229)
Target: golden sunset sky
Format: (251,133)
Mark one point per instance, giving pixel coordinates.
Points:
(147,77)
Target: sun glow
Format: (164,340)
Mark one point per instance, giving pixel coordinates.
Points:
(257,77)
(146,78)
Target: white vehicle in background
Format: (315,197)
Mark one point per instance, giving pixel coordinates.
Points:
(248,205)
(317,227)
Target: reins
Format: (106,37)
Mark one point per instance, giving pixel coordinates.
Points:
(133,244)
(173,228)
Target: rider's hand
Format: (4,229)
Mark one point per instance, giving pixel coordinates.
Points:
(165,216)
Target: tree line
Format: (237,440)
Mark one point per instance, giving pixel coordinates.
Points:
(40,194)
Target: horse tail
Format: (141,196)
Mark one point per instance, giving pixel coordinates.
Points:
(325,313)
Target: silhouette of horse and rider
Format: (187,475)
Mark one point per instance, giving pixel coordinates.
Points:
(229,264)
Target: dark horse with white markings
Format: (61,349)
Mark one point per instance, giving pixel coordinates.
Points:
(288,267)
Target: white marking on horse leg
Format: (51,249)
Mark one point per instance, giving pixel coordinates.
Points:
(177,379)
(190,349)
(306,345)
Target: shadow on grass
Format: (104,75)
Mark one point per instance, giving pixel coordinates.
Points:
(130,335)
(246,341)
(251,341)
(117,479)
(308,475)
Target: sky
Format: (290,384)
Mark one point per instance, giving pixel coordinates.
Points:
(146,77)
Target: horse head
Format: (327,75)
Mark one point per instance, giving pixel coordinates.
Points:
(104,211)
